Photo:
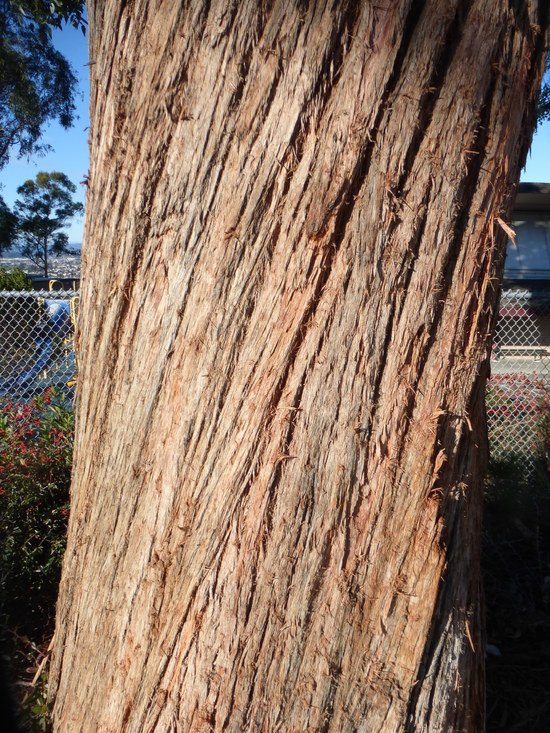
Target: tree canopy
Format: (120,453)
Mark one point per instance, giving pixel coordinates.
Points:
(52,13)
(7,226)
(543,110)
(37,83)
(43,208)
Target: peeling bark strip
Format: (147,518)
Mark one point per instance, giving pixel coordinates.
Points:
(290,272)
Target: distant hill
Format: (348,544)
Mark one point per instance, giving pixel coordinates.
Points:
(75,247)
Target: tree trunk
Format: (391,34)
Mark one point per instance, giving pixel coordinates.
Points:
(291,264)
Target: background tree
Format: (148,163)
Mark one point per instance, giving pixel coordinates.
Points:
(544,100)
(44,208)
(295,211)
(36,82)
(8,223)
(50,13)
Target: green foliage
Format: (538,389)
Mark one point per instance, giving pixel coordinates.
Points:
(513,490)
(27,675)
(36,82)
(544,103)
(14,279)
(516,554)
(518,406)
(52,13)
(45,206)
(36,441)
(516,564)
(8,223)
(543,108)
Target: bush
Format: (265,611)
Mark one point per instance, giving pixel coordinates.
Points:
(14,279)
(516,564)
(518,408)
(36,441)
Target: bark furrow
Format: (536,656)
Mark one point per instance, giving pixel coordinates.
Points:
(277,478)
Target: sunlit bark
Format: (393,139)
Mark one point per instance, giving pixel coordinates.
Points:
(291,263)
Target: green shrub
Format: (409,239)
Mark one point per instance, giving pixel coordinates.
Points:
(516,565)
(518,406)
(36,441)
(14,279)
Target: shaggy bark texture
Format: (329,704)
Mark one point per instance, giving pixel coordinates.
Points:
(291,263)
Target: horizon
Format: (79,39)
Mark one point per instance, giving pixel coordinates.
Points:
(15,251)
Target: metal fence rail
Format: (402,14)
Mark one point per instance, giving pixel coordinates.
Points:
(518,392)
(36,341)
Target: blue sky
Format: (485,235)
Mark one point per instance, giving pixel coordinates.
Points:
(537,169)
(70,147)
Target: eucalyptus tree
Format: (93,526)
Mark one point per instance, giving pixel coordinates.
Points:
(7,226)
(294,239)
(37,84)
(44,208)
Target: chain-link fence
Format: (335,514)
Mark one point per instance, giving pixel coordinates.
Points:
(37,351)
(518,396)
(36,342)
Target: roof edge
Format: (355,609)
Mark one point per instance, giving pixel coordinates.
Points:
(533,197)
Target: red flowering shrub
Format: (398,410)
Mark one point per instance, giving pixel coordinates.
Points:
(518,408)
(516,553)
(518,421)
(36,441)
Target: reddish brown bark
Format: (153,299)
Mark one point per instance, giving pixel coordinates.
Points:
(291,264)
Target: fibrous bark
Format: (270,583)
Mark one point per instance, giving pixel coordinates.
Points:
(291,263)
